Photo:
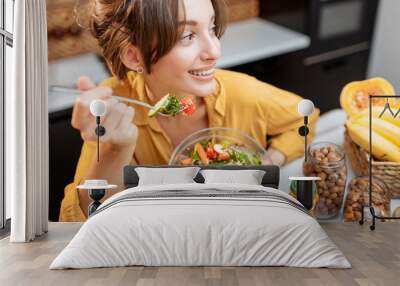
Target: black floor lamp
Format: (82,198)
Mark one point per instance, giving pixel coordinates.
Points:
(305,108)
(305,185)
(98,108)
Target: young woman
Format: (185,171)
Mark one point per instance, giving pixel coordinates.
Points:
(172,46)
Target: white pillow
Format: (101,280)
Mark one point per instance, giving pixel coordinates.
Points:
(163,176)
(249,177)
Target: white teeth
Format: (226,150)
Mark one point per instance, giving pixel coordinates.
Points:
(203,73)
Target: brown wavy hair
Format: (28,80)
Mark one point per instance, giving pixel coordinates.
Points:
(150,25)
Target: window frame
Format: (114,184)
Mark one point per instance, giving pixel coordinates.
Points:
(6,39)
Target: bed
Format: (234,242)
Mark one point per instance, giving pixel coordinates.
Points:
(201,224)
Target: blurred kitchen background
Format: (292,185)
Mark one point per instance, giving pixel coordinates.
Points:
(310,47)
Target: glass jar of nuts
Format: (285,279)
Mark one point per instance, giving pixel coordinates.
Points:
(358,197)
(327,161)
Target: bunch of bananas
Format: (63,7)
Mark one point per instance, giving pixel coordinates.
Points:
(354,99)
(385,133)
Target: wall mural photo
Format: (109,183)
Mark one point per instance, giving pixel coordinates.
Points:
(186,83)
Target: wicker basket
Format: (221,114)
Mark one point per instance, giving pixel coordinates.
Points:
(388,172)
(65,37)
(242,9)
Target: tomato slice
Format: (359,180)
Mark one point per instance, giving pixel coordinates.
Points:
(211,154)
(188,107)
(223,156)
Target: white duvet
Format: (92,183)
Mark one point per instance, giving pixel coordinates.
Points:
(203,231)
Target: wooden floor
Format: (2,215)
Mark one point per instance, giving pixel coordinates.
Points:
(375,257)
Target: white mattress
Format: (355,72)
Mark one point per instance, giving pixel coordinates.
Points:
(202,231)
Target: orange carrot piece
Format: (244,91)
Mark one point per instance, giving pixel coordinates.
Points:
(202,154)
(186,162)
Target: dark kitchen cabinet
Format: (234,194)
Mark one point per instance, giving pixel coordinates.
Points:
(330,24)
(65,146)
(282,71)
(326,80)
(321,82)
(340,33)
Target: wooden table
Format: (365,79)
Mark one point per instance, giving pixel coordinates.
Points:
(375,257)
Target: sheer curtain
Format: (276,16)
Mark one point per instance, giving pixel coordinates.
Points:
(27,124)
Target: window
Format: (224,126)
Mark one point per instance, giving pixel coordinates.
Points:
(6,43)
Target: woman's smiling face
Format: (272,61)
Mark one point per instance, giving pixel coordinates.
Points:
(189,67)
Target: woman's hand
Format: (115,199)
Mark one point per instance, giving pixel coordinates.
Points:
(121,132)
(276,156)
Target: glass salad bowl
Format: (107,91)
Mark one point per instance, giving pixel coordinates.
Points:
(219,146)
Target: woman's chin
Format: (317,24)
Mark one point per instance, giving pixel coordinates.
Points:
(204,89)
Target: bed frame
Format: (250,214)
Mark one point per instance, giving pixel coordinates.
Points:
(270,179)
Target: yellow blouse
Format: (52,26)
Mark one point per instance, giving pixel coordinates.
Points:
(240,101)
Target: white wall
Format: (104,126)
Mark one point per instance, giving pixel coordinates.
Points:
(385,56)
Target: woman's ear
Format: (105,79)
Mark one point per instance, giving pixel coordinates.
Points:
(131,58)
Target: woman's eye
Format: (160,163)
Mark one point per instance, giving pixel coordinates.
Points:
(186,38)
(213,30)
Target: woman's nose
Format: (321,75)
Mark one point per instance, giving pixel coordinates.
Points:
(211,49)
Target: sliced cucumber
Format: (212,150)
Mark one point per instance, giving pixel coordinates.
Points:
(159,105)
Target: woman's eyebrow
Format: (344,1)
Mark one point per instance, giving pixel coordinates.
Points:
(194,23)
(188,22)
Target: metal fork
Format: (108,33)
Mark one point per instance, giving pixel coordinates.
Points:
(63,89)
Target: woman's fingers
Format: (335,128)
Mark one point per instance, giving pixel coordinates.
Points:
(127,120)
(81,113)
(118,120)
(85,83)
(127,131)
(114,115)
(89,134)
(103,92)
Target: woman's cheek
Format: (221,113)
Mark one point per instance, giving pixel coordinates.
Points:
(217,47)
(185,57)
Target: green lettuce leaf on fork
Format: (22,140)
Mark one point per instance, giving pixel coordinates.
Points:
(168,105)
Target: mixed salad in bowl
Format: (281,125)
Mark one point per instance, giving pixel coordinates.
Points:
(219,146)
(224,153)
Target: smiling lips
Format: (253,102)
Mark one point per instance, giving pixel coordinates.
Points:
(203,74)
